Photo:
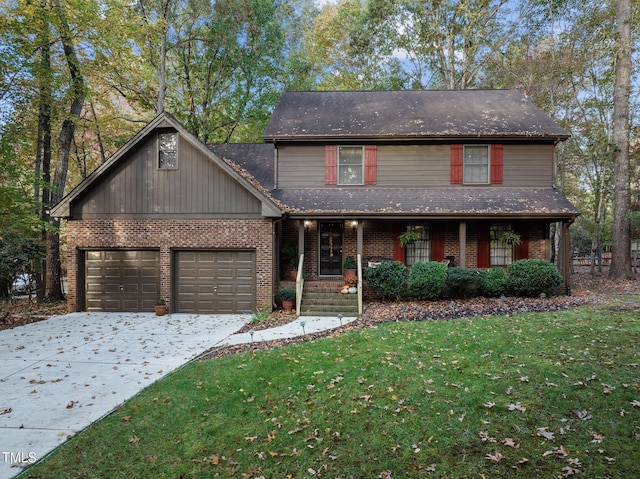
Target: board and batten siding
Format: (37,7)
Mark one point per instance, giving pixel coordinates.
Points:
(197,188)
(302,166)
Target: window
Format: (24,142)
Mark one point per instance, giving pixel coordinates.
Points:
(419,250)
(168,151)
(501,254)
(350,165)
(476,164)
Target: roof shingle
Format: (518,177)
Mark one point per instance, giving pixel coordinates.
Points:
(409,114)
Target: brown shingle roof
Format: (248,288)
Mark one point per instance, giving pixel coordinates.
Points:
(409,114)
(489,201)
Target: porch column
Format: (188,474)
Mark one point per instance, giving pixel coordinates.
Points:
(565,257)
(359,238)
(300,237)
(462,238)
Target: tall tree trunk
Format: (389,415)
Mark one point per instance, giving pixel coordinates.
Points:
(621,247)
(77,91)
(43,146)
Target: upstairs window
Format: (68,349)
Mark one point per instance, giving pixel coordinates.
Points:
(168,151)
(476,164)
(350,165)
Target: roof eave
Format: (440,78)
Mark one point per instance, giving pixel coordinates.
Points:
(547,137)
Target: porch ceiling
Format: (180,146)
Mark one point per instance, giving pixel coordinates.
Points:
(437,202)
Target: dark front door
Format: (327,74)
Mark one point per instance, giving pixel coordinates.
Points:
(331,248)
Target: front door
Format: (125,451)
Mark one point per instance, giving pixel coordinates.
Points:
(330,248)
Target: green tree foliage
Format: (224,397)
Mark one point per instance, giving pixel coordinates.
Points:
(350,45)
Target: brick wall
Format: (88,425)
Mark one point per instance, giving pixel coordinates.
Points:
(165,234)
(378,242)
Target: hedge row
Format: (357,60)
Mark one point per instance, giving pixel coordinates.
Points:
(433,280)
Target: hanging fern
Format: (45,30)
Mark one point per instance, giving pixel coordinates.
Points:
(510,238)
(408,237)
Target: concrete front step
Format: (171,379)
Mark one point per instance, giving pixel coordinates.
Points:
(325,299)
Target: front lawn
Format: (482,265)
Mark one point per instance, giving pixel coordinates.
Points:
(536,395)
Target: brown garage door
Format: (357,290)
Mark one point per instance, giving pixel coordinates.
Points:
(214,281)
(121,280)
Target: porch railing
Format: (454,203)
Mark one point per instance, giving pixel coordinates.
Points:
(299,284)
(359,285)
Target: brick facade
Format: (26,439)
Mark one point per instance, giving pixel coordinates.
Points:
(378,242)
(168,234)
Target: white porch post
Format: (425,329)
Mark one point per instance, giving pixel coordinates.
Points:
(300,237)
(462,237)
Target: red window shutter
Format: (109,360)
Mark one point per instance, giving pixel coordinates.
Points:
(370,164)
(522,250)
(484,246)
(330,164)
(398,250)
(496,164)
(437,243)
(456,164)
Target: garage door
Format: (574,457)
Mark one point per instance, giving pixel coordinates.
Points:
(121,280)
(214,281)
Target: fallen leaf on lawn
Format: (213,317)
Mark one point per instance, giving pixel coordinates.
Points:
(523,461)
(516,407)
(134,439)
(610,460)
(597,438)
(509,442)
(635,403)
(495,458)
(385,475)
(489,404)
(152,458)
(542,432)
(251,438)
(569,471)
(126,418)
(484,435)
(582,415)
(214,459)
(431,468)
(560,452)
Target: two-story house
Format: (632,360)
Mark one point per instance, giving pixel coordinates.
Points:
(341,173)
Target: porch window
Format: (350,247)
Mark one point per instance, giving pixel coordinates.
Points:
(419,250)
(501,254)
(350,165)
(168,151)
(476,164)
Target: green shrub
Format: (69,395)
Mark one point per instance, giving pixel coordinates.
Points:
(463,283)
(287,294)
(495,282)
(530,277)
(388,280)
(427,280)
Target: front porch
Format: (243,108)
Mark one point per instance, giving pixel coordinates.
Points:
(322,245)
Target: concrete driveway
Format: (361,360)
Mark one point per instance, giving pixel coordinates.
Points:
(58,376)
